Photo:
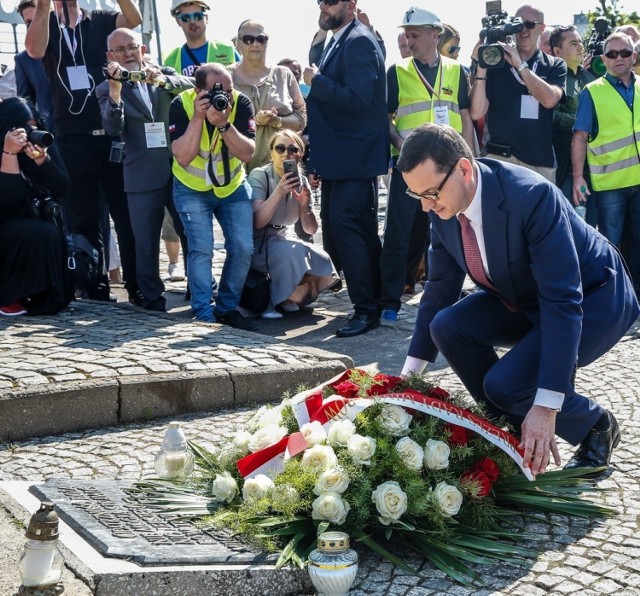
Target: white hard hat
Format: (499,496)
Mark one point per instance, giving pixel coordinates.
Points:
(418,17)
(175,4)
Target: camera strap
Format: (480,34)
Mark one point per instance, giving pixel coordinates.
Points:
(224,152)
(191,55)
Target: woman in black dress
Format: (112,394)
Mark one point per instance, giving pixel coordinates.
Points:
(33,272)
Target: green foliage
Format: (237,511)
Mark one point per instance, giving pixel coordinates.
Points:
(289,420)
(612,10)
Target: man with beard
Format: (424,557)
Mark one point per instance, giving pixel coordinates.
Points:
(138,113)
(349,134)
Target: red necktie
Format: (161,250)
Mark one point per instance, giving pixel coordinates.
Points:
(472,253)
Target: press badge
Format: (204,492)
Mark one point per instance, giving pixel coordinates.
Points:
(155,134)
(529,107)
(441,114)
(78,77)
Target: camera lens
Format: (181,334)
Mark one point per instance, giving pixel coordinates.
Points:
(39,137)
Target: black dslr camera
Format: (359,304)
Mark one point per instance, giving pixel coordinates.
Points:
(595,45)
(218,98)
(44,207)
(496,27)
(42,138)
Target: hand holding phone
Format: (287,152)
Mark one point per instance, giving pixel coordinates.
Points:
(291,166)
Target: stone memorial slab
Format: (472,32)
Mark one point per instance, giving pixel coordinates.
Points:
(117,526)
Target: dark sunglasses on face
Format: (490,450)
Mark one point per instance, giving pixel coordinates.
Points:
(251,39)
(454,49)
(187,17)
(291,149)
(331,2)
(531,24)
(613,54)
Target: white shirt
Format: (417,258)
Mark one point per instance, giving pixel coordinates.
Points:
(544,397)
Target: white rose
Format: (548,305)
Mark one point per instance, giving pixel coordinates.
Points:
(411,453)
(320,457)
(341,431)
(266,436)
(361,449)
(228,455)
(224,487)
(436,455)
(395,420)
(241,441)
(264,417)
(449,498)
(330,507)
(256,488)
(332,480)
(391,502)
(313,433)
(284,496)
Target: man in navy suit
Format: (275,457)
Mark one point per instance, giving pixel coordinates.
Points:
(551,288)
(349,136)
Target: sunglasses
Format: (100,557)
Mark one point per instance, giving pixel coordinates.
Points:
(291,149)
(435,195)
(330,2)
(251,39)
(454,49)
(613,54)
(531,24)
(187,17)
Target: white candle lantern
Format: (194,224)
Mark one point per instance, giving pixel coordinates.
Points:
(174,460)
(42,564)
(333,566)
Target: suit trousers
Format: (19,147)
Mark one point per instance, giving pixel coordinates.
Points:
(86,158)
(146,210)
(467,334)
(349,214)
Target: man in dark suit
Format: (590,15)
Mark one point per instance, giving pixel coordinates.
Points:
(350,138)
(551,287)
(138,113)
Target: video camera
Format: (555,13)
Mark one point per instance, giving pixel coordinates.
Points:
(496,27)
(595,45)
(218,98)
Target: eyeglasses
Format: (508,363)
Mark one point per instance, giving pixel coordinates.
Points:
(435,195)
(330,2)
(187,17)
(454,49)
(532,24)
(291,149)
(613,54)
(132,49)
(251,39)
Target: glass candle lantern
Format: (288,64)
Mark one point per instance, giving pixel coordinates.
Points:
(174,460)
(333,566)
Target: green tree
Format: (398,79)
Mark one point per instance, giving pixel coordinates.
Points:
(612,10)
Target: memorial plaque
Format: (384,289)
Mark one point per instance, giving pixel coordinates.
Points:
(118,526)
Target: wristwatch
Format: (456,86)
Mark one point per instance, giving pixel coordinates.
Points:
(225,127)
(522,66)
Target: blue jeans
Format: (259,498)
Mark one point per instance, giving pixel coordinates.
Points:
(614,206)
(235,216)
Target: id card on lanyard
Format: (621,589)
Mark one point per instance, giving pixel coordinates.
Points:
(440,113)
(77,74)
(529,105)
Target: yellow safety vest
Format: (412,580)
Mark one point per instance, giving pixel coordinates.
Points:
(195,174)
(416,104)
(614,154)
(216,52)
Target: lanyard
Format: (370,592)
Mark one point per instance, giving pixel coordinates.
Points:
(431,90)
(72,44)
(517,75)
(144,93)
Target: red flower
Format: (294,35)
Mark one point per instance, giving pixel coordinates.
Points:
(384,384)
(438,393)
(347,389)
(488,467)
(476,478)
(458,435)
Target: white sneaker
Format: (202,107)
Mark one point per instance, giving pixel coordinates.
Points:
(271,314)
(290,307)
(176,272)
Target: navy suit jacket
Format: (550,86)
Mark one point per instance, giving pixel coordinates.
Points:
(347,111)
(544,259)
(32,83)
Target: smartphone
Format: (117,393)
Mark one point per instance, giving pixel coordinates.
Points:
(291,165)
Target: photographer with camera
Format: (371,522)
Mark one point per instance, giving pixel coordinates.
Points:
(212,131)
(33,272)
(138,114)
(518,98)
(607,133)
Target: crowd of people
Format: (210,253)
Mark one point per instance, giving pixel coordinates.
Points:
(492,171)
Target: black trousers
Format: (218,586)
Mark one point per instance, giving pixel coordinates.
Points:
(349,213)
(86,158)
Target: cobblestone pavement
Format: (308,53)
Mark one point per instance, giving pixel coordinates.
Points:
(577,557)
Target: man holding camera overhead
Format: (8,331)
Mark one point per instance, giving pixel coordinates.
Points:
(137,111)
(212,132)
(518,99)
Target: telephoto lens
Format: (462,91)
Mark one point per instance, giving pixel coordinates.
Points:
(43,138)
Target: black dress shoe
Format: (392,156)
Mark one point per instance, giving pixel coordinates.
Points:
(358,325)
(595,450)
(236,320)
